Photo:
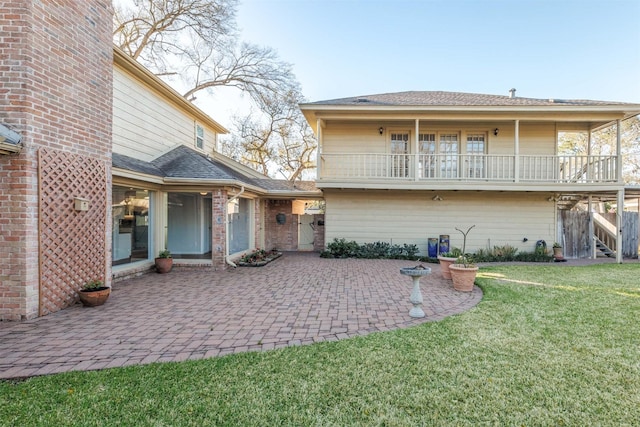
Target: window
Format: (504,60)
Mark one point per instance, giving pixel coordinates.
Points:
(199,137)
(427,147)
(475,155)
(449,155)
(239,217)
(131,221)
(400,154)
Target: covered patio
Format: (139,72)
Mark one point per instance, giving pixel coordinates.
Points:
(198,313)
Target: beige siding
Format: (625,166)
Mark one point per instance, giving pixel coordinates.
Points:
(364,137)
(538,139)
(146,125)
(413,217)
(353,138)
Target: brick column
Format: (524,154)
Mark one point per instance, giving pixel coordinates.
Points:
(219,229)
(56,91)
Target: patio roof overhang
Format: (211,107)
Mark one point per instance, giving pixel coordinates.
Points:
(196,184)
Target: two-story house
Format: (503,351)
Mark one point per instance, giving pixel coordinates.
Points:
(405,167)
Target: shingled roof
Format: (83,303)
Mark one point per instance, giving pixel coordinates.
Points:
(439,98)
(184,162)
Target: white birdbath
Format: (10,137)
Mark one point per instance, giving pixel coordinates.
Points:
(416,296)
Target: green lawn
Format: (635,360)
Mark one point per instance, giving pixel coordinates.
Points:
(547,345)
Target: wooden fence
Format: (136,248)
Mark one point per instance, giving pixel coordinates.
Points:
(577,230)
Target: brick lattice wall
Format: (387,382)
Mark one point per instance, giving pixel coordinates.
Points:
(56,91)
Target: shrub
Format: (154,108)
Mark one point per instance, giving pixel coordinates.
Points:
(341,248)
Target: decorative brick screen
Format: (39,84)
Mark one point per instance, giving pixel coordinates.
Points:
(72,243)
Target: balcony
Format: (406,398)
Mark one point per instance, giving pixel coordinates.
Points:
(429,168)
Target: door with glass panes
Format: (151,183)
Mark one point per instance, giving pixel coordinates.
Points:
(400,162)
(475,159)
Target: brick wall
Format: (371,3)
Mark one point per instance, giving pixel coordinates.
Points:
(283,237)
(318,232)
(55,90)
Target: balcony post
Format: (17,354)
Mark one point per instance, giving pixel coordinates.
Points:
(618,151)
(319,149)
(589,141)
(516,150)
(619,211)
(416,145)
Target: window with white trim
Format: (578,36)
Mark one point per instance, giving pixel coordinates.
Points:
(400,154)
(448,155)
(199,136)
(475,155)
(427,151)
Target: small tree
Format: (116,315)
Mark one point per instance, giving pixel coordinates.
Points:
(463,258)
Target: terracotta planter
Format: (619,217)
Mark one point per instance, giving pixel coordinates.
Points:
(95,297)
(557,252)
(445,262)
(164,265)
(463,277)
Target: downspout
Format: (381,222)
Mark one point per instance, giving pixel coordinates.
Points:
(226,231)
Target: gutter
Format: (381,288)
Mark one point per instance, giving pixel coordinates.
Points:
(226,233)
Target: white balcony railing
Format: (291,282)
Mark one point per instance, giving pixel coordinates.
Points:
(469,167)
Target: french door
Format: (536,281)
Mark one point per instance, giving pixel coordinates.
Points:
(400,162)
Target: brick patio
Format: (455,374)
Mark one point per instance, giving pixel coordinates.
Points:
(298,299)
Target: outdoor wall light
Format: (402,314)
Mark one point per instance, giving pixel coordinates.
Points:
(381,130)
(496,131)
(281,218)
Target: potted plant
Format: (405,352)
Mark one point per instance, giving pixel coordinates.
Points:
(463,271)
(446,259)
(164,262)
(94,293)
(557,251)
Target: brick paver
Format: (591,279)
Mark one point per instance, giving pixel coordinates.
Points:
(298,299)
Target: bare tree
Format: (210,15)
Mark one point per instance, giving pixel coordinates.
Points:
(603,142)
(197,41)
(277,141)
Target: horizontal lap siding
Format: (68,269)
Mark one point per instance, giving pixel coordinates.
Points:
(413,217)
(535,138)
(146,125)
(353,138)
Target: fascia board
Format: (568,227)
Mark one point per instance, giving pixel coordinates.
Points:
(578,113)
(138,176)
(215,182)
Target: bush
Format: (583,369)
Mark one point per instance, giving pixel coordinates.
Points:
(509,253)
(341,248)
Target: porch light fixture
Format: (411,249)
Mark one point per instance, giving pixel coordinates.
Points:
(381,130)
(204,193)
(496,131)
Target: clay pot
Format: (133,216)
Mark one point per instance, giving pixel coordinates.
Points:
(463,277)
(445,262)
(94,297)
(164,265)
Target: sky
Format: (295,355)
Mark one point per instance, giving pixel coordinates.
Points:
(563,49)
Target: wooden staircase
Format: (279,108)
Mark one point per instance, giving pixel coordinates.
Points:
(604,236)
